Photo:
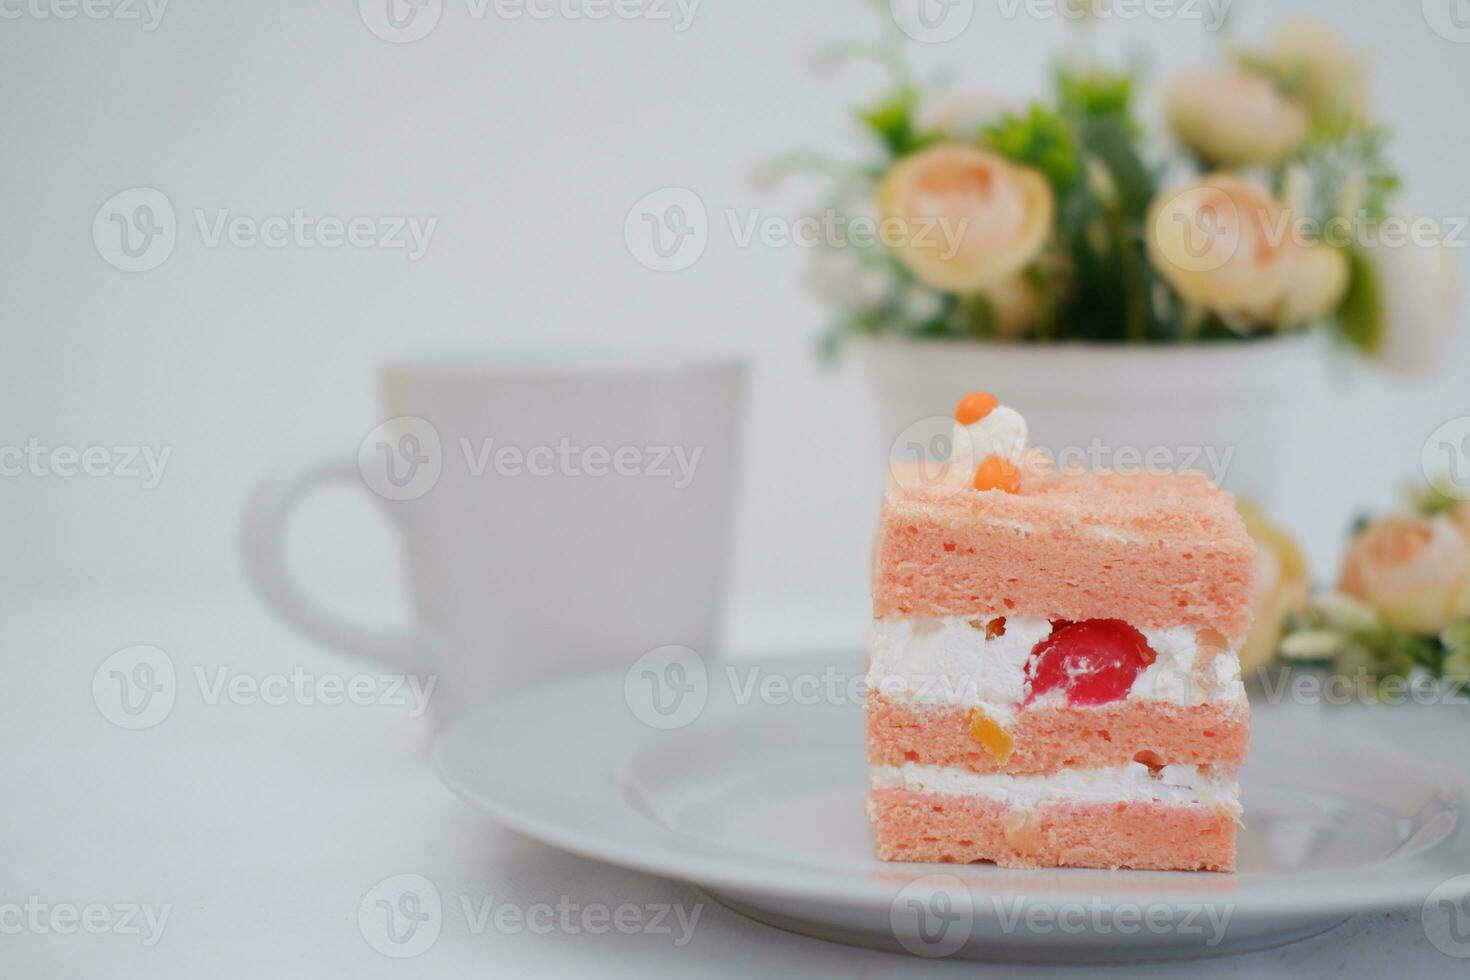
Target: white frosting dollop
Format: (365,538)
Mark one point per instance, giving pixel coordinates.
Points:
(1001,433)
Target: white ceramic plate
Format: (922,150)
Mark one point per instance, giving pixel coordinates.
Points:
(758,798)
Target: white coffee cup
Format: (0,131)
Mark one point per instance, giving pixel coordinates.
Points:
(557,512)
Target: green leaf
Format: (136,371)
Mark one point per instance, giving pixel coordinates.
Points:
(1289,80)
(1356,660)
(1343,173)
(1040,138)
(1412,651)
(1432,500)
(1457,668)
(1456,638)
(1096,94)
(892,121)
(1360,317)
(1108,140)
(973,316)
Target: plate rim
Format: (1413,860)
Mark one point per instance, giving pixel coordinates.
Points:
(1324,892)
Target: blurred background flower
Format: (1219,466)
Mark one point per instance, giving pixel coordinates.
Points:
(1310,61)
(1414,571)
(1401,609)
(1067,231)
(1222,243)
(1319,279)
(1282,586)
(1255,210)
(1235,118)
(964,220)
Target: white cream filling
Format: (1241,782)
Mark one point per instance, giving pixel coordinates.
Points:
(951,662)
(1133,783)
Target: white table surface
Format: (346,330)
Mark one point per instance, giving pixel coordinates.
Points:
(262,827)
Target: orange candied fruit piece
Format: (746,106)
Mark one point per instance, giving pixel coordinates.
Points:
(991,736)
(998,473)
(974,407)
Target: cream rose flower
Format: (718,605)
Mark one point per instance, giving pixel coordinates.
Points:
(1016,304)
(1223,244)
(1331,79)
(1282,585)
(1316,286)
(1414,571)
(1461,516)
(963,219)
(1235,118)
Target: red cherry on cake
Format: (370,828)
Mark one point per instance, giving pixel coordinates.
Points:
(1091,662)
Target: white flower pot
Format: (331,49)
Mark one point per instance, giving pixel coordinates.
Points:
(1224,409)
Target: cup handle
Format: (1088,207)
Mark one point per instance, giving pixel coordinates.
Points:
(266,513)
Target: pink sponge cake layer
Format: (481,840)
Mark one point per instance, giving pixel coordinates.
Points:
(1052,682)
(1155,550)
(909,826)
(1049,738)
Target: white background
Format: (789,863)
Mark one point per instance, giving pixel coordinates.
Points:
(529,141)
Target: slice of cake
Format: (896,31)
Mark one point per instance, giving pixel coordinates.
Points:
(1053,678)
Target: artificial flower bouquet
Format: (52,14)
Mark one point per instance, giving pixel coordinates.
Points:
(1401,609)
(1266,211)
